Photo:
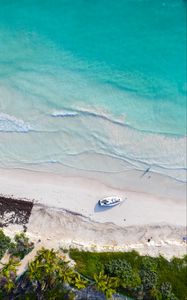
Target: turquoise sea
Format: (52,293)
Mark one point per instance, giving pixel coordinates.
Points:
(82,79)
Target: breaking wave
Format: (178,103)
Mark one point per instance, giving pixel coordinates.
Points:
(10,123)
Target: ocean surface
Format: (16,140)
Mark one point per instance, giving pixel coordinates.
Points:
(93,85)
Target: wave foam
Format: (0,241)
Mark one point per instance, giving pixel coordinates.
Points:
(94,141)
(10,123)
(63,114)
(137,149)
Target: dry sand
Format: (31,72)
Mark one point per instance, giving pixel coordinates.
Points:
(66,213)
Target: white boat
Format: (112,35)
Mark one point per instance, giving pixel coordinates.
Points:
(110,201)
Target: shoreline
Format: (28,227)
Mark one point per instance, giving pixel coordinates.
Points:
(65,214)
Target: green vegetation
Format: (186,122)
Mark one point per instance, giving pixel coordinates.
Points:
(141,277)
(89,263)
(121,269)
(48,273)
(45,278)
(106,284)
(4,243)
(50,276)
(8,277)
(21,246)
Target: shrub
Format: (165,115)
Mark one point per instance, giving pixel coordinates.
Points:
(153,271)
(118,267)
(166,291)
(4,243)
(8,276)
(21,246)
(149,279)
(122,269)
(148,273)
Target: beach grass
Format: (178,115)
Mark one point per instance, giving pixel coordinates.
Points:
(89,263)
(173,271)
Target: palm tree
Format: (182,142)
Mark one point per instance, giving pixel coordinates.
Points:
(43,271)
(66,274)
(106,284)
(79,282)
(48,274)
(8,275)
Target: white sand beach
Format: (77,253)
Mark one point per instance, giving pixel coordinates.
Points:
(80,195)
(93,104)
(66,212)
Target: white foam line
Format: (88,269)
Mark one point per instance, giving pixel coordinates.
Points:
(11,123)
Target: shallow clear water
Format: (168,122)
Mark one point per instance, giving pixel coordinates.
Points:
(100,77)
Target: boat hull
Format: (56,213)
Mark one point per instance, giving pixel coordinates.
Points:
(110,202)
